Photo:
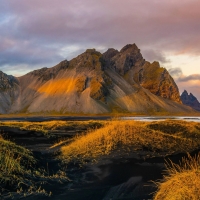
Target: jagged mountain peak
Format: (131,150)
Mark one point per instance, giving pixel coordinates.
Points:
(9,91)
(115,81)
(190,100)
(130,64)
(92,51)
(46,74)
(184,93)
(38,72)
(155,64)
(4,75)
(129,48)
(111,52)
(7,81)
(128,57)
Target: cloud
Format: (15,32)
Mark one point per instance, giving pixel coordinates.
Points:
(191,87)
(14,52)
(153,55)
(193,77)
(180,77)
(108,22)
(175,72)
(37,31)
(190,83)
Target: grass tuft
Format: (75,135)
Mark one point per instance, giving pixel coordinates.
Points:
(49,126)
(122,138)
(15,162)
(182,181)
(19,176)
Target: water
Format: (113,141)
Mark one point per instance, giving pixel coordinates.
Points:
(162,118)
(86,118)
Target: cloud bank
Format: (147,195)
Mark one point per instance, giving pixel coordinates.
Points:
(42,33)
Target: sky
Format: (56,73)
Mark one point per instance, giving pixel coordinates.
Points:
(36,34)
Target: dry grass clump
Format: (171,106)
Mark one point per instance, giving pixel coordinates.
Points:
(123,138)
(46,127)
(18,175)
(178,128)
(182,181)
(14,162)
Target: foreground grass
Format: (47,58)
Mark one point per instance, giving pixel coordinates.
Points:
(182,181)
(47,127)
(16,170)
(18,175)
(125,138)
(15,162)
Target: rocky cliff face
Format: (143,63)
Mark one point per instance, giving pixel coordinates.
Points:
(158,81)
(9,91)
(130,64)
(116,81)
(190,100)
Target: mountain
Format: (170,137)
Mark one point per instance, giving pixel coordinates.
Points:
(130,64)
(115,81)
(9,91)
(190,100)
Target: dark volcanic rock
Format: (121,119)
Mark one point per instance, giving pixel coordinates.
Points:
(7,81)
(190,100)
(132,66)
(9,91)
(46,74)
(128,57)
(158,81)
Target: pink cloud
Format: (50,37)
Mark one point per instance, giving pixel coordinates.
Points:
(48,26)
(191,83)
(161,24)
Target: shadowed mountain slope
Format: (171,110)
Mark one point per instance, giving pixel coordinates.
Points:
(130,64)
(9,91)
(99,83)
(190,100)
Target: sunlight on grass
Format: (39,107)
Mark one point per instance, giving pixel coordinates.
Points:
(110,140)
(123,138)
(14,162)
(19,175)
(182,181)
(46,127)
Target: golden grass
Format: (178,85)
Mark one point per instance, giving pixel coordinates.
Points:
(46,127)
(178,128)
(14,162)
(182,181)
(18,175)
(124,138)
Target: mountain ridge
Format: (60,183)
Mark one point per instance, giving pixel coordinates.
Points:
(190,100)
(115,81)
